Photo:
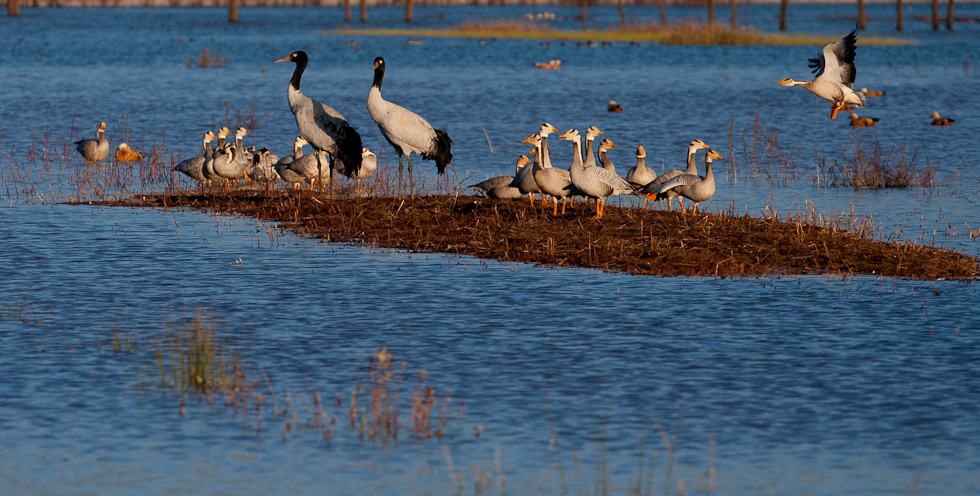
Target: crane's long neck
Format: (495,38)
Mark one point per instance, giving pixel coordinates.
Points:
(692,167)
(374,95)
(298,73)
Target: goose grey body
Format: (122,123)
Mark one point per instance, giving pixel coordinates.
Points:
(594,182)
(650,189)
(501,187)
(192,166)
(405,130)
(640,175)
(262,166)
(554,182)
(207,170)
(94,150)
(322,127)
(835,71)
(369,164)
(692,186)
(226,165)
(282,166)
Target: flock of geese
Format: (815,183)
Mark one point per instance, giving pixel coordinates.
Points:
(337,146)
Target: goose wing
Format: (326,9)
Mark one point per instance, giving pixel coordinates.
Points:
(836,61)
(677,181)
(616,184)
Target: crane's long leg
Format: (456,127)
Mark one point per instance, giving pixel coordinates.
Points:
(400,175)
(411,177)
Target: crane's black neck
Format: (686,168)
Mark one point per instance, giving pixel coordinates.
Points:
(301,60)
(379,72)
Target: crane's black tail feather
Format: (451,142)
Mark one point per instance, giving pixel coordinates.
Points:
(442,152)
(349,152)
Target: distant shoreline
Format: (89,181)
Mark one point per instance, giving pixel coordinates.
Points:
(721,4)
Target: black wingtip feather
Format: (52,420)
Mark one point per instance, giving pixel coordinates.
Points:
(349,153)
(442,151)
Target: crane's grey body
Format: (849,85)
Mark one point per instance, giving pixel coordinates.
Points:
(324,128)
(94,150)
(406,131)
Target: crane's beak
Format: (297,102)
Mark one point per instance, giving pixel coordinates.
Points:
(284,59)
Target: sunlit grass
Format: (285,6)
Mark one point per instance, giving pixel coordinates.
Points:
(193,357)
(671,34)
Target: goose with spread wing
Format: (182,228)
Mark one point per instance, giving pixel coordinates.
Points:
(651,188)
(835,75)
(692,186)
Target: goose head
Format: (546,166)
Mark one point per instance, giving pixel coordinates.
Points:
(606,144)
(712,155)
(592,132)
(300,141)
(533,140)
(224,132)
(547,129)
(641,152)
(787,82)
(522,161)
(209,136)
(571,135)
(241,132)
(696,145)
(101,126)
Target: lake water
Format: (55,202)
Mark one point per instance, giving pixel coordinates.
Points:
(803,385)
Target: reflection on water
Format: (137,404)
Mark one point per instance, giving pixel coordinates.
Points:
(800,385)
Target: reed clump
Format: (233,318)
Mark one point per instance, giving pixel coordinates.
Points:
(206,59)
(866,165)
(193,358)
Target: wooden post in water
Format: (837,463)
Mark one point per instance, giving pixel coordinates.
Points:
(363,10)
(711,12)
(663,13)
(949,16)
(935,15)
(13,8)
(585,14)
(409,7)
(898,15)
(622,15)
(232,10)
(346,11)
(734,14)
(782,14)
(862,16)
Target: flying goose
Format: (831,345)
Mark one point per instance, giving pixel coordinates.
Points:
(406,131)
(500,187)
(594,182)
(322,127)
(835,75)
(126,154)
(192,166)
(692,186)
(692,168)
(94,150)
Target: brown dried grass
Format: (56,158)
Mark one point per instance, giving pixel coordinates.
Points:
(635,241)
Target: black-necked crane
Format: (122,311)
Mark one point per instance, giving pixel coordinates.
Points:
(94,150)
(835,75)
(325,129)
(407,131)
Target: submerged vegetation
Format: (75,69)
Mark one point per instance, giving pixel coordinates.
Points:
(668,34)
